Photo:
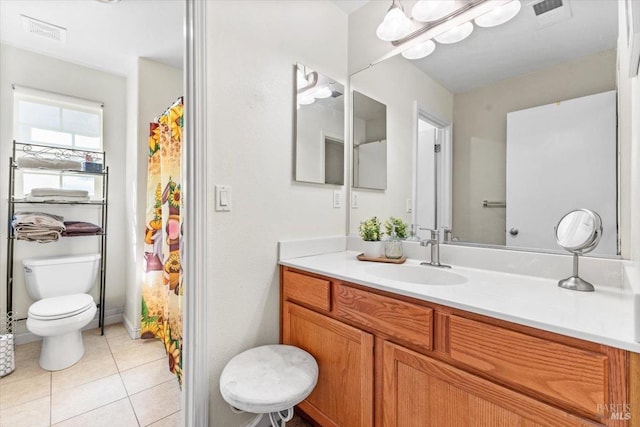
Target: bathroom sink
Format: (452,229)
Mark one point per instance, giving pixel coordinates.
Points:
(420,274)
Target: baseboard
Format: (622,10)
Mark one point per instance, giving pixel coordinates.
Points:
(111,316)
(133,331)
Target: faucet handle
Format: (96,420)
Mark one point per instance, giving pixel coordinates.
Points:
(435,234)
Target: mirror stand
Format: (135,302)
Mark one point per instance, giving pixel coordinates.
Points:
(575,283)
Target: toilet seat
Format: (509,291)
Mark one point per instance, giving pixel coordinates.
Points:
(60,307)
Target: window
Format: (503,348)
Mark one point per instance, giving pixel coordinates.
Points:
(61,121)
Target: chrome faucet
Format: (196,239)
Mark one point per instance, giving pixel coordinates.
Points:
(434,241)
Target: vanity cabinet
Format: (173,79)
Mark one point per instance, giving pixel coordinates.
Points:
(419,391)
(344,393)
(388,360)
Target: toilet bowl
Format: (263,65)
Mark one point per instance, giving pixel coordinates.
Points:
(59,321)
(62,308)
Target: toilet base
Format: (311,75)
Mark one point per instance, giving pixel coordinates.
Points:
(61,351)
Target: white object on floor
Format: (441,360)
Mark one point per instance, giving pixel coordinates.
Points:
(269,380)
(63,307)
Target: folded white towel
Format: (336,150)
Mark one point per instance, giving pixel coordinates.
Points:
(36,162)
(58,192)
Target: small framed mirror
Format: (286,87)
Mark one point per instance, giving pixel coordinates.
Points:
(369,143)
(578,232)
(319,133)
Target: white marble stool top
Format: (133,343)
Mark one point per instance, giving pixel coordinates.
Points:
(270,378)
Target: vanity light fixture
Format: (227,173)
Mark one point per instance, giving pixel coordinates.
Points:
(395,24)
(445,21)
(421,50)
(307,87)
(499,15)
(455,34)
(427,11)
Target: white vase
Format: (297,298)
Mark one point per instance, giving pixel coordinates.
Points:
(372,249)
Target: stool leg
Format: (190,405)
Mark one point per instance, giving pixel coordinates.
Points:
(280,418)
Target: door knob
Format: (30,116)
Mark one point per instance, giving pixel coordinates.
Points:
(514,231)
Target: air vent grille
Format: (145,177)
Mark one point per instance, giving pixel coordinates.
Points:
(546,6)
(44,29)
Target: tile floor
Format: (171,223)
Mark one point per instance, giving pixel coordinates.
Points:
(119,382)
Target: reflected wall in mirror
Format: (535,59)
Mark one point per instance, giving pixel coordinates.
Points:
(369,143)
(405,91)
(319,142)
(527,65)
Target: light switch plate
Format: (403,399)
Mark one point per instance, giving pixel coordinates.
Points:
(223,198)
(337,198)
(409,205)
(354,200)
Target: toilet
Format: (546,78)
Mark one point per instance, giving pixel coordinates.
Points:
(62,308)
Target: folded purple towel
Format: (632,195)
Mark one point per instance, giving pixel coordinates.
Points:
(80,228)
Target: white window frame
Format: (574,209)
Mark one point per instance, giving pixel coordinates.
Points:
(22,93)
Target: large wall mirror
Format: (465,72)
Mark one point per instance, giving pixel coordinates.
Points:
(319,142)
(532,104)
(369,143)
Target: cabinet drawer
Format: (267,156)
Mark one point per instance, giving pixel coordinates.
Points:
(399,320)
(308,290)
(570,376)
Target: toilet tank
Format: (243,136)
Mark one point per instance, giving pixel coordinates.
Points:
(48,277)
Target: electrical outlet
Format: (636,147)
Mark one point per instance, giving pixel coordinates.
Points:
(354,199)
(337,198)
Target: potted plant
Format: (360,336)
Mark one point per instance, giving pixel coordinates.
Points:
(400,227)
(371,234)
(397,231)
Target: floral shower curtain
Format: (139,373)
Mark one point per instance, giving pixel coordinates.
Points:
(162,286)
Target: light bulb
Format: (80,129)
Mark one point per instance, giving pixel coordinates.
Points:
(499,15)
(455,34)
(420,51)
(429,10)
(395,25)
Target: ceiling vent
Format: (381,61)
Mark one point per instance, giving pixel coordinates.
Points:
(44,29)
(546,6)
(550,12)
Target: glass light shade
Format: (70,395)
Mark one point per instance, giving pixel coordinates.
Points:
(499,15)
(456,34)
(395,25)
(420,51)
(306,99)
(322,92)
(430,10)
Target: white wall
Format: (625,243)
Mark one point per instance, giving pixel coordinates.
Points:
(25,68)
(479,136)
(250,126)
(151,88)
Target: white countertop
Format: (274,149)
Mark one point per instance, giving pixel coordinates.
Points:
(605,316)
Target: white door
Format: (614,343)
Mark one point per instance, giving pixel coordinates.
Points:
(561,157)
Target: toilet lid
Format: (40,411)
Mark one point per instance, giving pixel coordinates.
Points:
(60,307)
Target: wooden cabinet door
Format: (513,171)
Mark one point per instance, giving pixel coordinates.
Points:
(343,396)
(421,392)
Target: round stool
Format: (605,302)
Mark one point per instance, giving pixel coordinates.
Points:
(271,380)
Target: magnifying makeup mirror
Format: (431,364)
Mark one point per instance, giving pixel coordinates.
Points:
(578,232)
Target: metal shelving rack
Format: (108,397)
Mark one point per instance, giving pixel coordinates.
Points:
(53,153)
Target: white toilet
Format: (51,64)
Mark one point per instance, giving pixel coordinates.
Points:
(62,308)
